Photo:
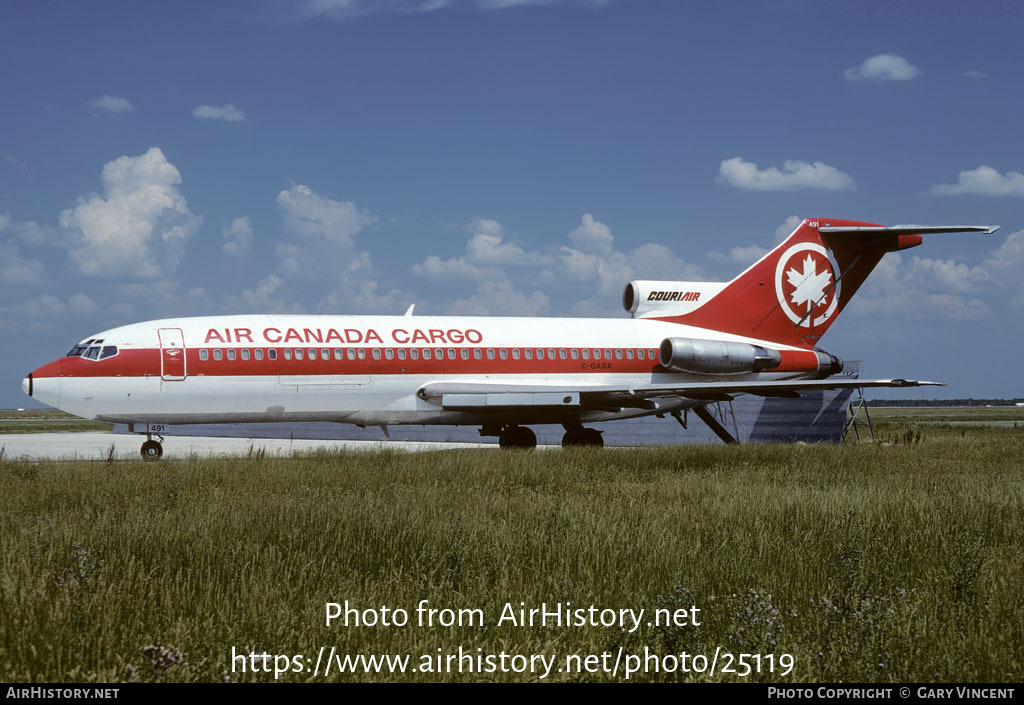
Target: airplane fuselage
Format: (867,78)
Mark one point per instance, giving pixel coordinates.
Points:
(359,369)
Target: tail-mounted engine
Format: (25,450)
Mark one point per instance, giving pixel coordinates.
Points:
(720,357)
(716,357)
(646,299)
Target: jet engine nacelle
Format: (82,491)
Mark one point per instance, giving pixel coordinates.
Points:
(663,298)
(717,357)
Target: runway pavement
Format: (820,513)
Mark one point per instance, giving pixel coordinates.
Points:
(96,446)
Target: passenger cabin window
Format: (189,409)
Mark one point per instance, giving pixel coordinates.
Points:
(204,354)
(464,354)
(245,353)
(586,354)
(401,353)
(528,354)
(503,354)
(272,354)
(515,353)
(218,354)
(389,354)
(414,354)
(540,354)
(490,353)
(618,354)
(477,354)
(287,353)
(259,353)
(426,354)
(338,353)
(231,354)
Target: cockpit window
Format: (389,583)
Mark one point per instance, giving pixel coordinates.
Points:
(90,351)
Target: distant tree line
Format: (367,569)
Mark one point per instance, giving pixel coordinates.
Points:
(945,402)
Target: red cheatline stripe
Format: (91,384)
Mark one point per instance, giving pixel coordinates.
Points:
(146,362)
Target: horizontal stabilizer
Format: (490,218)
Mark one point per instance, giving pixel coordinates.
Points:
(906,229)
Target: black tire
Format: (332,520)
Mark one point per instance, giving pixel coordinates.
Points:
(526,438)
(517,437)
(592,437)
(571,440)
(151,450)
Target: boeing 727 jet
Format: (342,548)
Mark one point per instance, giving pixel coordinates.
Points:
(686,344)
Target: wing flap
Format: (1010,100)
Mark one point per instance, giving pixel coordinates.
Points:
(489,395)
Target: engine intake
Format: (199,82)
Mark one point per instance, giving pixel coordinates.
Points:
(716,357)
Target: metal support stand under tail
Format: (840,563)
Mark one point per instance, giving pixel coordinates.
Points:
(858,416)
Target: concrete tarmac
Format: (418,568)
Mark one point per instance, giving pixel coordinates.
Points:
(96,446)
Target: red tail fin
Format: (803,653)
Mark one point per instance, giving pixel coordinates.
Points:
(794,293)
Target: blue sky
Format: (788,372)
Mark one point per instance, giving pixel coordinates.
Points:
(505,157)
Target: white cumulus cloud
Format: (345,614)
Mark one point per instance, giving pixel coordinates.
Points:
(983,181)
(309,215)
(487,253)
(237,238)
(341,10)
(138,227)
(883,67)
(739,255)
(793,176)
(227,113)
(112,104)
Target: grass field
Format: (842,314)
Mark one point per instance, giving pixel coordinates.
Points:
(46,421)
(901,560)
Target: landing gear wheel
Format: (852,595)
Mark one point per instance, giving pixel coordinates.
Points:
(151,450)
(583,437)
(592,437)
(517,437)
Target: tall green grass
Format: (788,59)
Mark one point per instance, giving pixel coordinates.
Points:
(901,561)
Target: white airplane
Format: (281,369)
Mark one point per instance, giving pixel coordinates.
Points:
(686,345)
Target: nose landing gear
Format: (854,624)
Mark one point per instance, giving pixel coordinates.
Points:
(152,450)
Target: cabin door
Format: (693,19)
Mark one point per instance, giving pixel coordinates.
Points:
(172,354)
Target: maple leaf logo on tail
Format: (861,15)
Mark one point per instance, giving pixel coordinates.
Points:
(806,284)
(809,285)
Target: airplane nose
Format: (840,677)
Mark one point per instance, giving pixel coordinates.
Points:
(44,384)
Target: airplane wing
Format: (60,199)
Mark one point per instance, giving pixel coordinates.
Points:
(481,396)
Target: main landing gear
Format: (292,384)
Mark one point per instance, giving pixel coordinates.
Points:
(578,436)
(517,437)
(152,450)
(511,436)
